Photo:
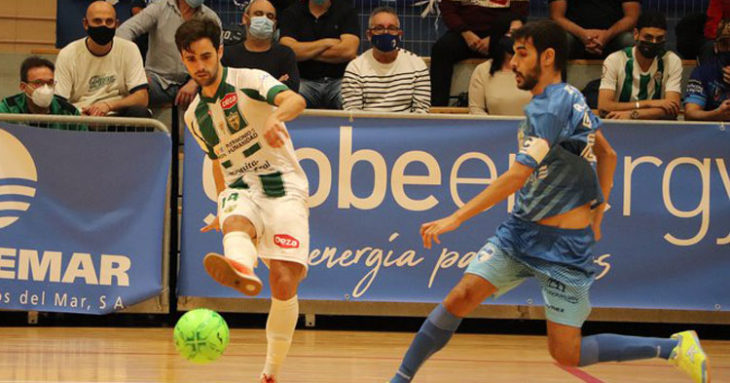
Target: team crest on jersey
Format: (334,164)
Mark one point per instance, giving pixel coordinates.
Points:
(234,121)
(229,101)
(286,241)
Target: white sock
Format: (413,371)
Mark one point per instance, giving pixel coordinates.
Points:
(280,326)
(238,246)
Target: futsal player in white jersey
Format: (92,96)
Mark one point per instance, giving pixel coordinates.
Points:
(237,118)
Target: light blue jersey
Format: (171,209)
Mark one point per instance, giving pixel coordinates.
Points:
(557,141)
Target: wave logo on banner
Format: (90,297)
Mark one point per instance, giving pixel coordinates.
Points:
(17,179)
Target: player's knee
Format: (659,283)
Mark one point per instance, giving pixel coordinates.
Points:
(284,279)
(239,223)
(460,299)
(565,356)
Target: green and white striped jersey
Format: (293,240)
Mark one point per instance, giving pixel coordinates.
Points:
(229,127)
(622,74)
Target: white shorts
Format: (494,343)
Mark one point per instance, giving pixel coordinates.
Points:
(282,224)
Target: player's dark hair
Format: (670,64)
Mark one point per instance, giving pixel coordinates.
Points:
(196,29)
(652,19)
(34,62)
(546,34)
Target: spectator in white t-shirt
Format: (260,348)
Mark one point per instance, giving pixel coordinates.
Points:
(386,78)
(493,86)
(644,81)
(100,74)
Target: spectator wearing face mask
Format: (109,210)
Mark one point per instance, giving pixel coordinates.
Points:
(644,81)
(386,78)
(100,74)
(493,85)
(37,84)
(708,91)
(259,51)
(168,79)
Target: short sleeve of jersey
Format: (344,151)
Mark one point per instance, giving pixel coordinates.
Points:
(674,73)
(259,85)
(696,92)
(611,68)
(192,124)
(545,128)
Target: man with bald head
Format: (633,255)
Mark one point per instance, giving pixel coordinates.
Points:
(259,50)
(100,74)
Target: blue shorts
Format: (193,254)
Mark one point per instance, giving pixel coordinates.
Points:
(560,259)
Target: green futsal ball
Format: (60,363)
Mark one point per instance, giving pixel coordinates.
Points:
(201,335)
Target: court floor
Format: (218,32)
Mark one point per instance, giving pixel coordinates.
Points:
(81,355)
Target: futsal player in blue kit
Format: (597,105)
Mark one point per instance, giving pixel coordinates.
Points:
(563,176)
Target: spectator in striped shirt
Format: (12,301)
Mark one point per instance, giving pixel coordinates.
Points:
(386,78)
(644,81)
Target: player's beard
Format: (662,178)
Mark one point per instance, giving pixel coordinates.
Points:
(529,80)
(211,77)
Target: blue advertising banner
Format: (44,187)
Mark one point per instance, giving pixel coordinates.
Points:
(374,181)
(81,218)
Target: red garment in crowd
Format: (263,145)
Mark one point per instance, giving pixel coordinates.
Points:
(478,15)
(716,11)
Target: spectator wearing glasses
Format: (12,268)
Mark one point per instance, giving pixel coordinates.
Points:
(259,50)
(324,35)
(386,78)
(708,91)
(644,81)
(37,85)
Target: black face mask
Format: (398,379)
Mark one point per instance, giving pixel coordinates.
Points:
(651,50)
(101,35)
(506,44)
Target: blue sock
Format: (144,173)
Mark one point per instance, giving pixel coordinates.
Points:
(435,332)
(620,348)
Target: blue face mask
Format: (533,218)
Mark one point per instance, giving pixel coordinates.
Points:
(385,42)
(261,27)
(194,3)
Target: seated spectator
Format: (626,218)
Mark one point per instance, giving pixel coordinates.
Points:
(469,26)
(102,74)
(596,28)
(168,81)
(642,82)
(386,78)
(493,86)
(324,35)
(259,51)
(708,90)
(37,83)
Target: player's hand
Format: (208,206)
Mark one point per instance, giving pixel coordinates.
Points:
(101,108)
(275,132)
(430,231)
(724,107)
(670,107)
(215,225)
(186,94)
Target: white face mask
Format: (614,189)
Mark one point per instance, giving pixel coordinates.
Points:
(42,96)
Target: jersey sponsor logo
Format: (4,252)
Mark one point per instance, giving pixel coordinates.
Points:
(18,176)
(229,101)
(286,241)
